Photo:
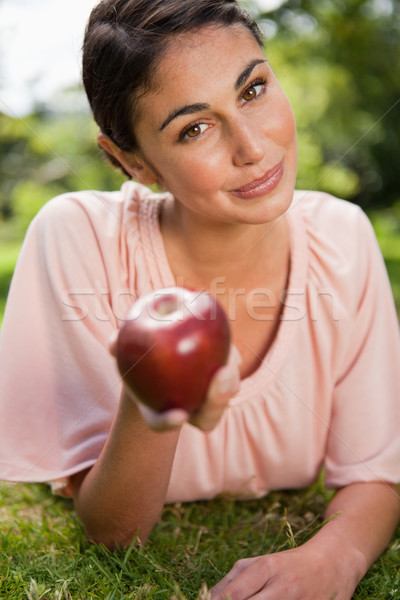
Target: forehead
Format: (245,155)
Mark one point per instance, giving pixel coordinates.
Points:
(211,53)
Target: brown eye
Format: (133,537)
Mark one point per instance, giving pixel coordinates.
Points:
(194,131)
(253,91)
(250,93)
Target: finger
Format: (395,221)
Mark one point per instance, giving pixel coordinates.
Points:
(158,421)
(224,384)
(234,357)
(170,419)
(243,582)
(222,388)
(112,343)
(238,567)
(226,381)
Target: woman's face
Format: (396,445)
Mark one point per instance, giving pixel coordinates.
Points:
(218,131)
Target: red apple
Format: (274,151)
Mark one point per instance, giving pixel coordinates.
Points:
(170,346)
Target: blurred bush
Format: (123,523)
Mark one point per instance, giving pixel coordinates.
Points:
(42,155)
(339,63)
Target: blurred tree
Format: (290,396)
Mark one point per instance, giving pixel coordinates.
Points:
(45,154)
(340,63)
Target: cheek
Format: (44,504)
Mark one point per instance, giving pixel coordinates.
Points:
(283,125)
(198,170)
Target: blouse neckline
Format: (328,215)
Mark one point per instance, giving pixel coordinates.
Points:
(162,276)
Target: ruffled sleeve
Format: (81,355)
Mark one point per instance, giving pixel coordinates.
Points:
(59,386)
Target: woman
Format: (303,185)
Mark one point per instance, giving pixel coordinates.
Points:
(185,98)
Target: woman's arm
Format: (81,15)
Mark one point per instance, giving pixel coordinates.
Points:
(366,516)
(331,564)
(123,494)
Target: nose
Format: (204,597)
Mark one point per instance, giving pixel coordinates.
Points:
(248,145)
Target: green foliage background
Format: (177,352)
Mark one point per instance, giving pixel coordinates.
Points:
(42,155)
(339,63)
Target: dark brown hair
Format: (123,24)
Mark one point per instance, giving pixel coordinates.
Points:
(125,40)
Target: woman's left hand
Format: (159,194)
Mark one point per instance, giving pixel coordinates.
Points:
(360,521)
(297,574)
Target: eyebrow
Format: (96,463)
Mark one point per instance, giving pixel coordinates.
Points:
(184,110)
(189,109)
(243,77)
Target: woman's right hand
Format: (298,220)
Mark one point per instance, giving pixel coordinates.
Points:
(223,386)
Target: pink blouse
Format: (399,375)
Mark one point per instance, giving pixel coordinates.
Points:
(327,394)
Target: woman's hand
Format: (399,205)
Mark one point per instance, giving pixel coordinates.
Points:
(360,521)
(297,574)
(223,386)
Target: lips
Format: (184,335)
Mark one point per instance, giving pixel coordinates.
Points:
(262,186)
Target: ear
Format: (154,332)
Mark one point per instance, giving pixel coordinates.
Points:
(132,162)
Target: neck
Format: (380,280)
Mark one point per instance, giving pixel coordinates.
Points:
(201,251)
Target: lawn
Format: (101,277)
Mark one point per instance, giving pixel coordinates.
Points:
(44,554)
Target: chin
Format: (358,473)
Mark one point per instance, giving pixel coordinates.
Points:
(267,209)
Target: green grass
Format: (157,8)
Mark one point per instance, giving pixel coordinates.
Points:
(44,554)
(387,228)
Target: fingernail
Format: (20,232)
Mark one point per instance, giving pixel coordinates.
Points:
(238,356)
(225,384)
